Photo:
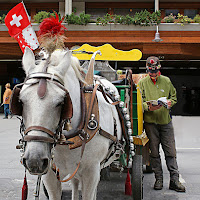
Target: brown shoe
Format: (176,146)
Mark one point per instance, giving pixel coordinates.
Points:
(158,184)
(177,186)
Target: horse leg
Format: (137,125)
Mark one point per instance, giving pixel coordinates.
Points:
(52,185)
(95,194)
(75,192)
(90,179)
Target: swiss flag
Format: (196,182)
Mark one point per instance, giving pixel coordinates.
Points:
(27,38)
(20,28)
(17,19)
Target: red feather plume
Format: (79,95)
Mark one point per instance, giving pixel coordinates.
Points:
(51,26)
(51,34)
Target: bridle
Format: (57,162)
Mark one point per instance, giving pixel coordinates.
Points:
(53,136)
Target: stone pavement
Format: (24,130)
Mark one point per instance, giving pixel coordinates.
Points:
(188,155)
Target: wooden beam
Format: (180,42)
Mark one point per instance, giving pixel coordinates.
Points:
(185,44)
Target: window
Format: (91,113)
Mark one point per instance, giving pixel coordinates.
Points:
(190,13)
(126,11)
(96,12)
(173,11)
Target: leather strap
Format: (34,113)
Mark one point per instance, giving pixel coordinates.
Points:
(30,138)
(100,88)
(49,76)
(105,97)
(91,103)
(39,128)
(82,120)
(107,135)
(42,88)
(130,79)
(82,151)
(68,179)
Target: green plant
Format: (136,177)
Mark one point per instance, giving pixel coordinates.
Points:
(105,20)
(74,9)
(126,20)
(38,18)
(183,19)
(82,19)
(197,18)
(2,18)
(169,19)
(156,17)
(145,18)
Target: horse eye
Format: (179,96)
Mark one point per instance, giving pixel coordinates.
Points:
(60,104)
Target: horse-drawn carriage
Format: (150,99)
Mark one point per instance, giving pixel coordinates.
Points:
(88,125)
(131,96)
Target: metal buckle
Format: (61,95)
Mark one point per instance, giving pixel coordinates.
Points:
(83,135)
(92,124)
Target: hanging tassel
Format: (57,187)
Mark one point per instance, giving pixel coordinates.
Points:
(128,189)
(25,189)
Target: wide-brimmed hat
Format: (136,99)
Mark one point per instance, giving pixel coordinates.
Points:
(153,64)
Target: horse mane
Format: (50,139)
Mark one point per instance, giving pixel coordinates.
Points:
(77,68)
(75,64)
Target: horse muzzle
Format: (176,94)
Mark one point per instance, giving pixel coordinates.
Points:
(36,166)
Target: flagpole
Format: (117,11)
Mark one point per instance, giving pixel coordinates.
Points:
(26,11)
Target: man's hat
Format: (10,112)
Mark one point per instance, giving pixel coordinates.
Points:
(153,64)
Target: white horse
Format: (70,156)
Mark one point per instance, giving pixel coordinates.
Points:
(46,112)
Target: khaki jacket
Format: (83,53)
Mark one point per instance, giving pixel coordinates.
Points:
(162,88)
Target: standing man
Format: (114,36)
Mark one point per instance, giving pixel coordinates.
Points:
(158,123)
(6,100)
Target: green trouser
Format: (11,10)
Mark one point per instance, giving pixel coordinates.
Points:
(164,135)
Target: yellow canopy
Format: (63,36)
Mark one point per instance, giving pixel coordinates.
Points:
(108,53)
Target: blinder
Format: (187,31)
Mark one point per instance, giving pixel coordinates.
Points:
(15,104)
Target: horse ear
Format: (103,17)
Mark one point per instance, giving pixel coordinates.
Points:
(65,62)
(28,60)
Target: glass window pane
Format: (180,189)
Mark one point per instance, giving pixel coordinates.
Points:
(190,13)
(96,12)
(173,11)
(126,11)
(47,10)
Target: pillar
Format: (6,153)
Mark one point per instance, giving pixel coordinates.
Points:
(156,5)
(68,7)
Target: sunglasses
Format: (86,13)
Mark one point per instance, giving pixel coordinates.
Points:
(153,71)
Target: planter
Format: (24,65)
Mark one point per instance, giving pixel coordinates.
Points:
(179,27)
(120,27)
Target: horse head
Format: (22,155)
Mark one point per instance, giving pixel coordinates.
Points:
(42,111)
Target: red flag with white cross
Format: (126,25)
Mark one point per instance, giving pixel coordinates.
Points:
(19,27)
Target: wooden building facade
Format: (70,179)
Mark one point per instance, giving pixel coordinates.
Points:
(179,50)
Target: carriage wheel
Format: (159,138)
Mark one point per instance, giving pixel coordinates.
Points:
(137,177)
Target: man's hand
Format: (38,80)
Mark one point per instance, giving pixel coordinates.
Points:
(169,104)
(152,108)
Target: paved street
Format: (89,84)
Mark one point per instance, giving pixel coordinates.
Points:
(188,152)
